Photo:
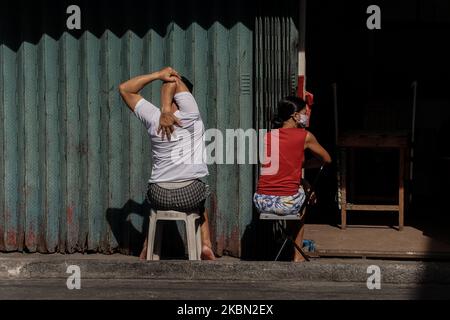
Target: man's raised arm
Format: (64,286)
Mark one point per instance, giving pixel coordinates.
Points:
(130,89)
(167,119)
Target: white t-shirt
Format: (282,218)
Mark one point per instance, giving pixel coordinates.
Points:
(183,157)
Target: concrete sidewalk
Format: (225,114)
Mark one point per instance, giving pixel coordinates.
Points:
(16,266)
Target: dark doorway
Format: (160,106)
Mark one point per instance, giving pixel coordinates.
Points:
(375,72)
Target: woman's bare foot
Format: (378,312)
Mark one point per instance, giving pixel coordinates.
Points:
(207,253)
(298,257)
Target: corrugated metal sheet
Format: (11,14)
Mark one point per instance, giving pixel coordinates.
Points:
(276,63)
(276,59)
(74,161)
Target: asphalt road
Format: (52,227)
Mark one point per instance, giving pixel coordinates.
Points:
(214,290)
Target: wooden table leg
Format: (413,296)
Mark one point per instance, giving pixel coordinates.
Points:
(343,189)
(351,174)
(401,190)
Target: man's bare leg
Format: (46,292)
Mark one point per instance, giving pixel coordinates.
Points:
(207,253)
(143,255)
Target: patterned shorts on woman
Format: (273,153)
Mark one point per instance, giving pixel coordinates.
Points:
(281,205)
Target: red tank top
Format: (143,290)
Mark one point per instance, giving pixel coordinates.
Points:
(286,180)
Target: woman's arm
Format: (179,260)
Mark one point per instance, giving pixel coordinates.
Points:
(312,144)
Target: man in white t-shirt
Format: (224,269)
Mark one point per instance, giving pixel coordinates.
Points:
(178,147)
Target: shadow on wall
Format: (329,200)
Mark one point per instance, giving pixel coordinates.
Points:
(32,19)
(131,240)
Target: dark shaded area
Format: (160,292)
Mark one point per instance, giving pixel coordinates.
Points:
(131,241)
(374,71)
(29,20)
(261,243)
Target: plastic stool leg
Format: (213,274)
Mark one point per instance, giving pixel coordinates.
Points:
(158,240)
(198,233)
(151,235)
(191,237)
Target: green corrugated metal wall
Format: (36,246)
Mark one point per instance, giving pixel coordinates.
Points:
(74,161)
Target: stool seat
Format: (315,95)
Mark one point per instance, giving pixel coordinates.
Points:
(274,216)
(193,234)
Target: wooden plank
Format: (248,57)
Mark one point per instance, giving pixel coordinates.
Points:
(371,207)
(342,154)
(352,172)
(401,190)
(381,254)
(376,199)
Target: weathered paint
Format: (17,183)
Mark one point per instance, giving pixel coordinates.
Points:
(74,161)
(275,73)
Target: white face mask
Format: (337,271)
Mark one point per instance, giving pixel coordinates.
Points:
(303,122)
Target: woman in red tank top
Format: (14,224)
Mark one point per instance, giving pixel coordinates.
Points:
(279,188)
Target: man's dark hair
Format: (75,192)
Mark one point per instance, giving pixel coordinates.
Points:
(188,84)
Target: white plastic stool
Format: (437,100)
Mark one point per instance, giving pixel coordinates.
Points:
(193,233)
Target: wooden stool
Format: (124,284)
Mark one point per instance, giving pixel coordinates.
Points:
(193,234)
(350,141)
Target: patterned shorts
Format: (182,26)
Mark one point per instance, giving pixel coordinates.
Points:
(187,199)
(281,205)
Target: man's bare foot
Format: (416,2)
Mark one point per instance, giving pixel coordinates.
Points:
(143,255)
(299,259)
(207,253)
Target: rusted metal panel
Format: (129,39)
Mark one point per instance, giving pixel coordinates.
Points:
(74,161)
(275,72)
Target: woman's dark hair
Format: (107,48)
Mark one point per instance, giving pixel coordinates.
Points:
(286,107)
